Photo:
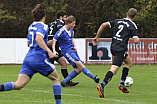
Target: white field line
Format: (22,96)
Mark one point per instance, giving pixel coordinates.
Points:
(86,96)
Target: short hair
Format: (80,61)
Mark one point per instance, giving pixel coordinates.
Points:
(38,12)
(132,12)
(60,13)
(69,19)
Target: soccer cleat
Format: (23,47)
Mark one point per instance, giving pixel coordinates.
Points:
(65,84)
(123,88)
(101,91)
(96,79)
(72,83)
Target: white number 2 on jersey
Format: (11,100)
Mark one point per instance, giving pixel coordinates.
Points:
(120,27)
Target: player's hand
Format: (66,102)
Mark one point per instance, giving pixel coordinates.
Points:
(95,41)
(75,49)
(50,42)
(56,53)
(52,55)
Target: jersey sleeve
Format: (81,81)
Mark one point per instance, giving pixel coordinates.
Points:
(111,23)
(57,35)
(42,30)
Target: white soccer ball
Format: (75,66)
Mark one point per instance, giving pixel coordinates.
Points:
(128,82)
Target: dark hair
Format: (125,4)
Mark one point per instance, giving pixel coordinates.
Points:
(69,19)
(38,12)
(60,13)
(132,12)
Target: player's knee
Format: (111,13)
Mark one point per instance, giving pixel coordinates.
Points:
(129,64)
(56,78)
(18,86)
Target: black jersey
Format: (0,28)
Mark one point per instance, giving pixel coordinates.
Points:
(53,28)
(123,28)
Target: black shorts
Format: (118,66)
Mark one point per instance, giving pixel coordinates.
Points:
(55,58)
(119,57)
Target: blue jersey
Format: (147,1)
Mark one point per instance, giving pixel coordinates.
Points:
(36,60)
(66,44)
(65,39)
(35,52)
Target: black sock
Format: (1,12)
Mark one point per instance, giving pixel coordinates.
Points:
(64,73)
(2,87)
(108,77)
(124,73)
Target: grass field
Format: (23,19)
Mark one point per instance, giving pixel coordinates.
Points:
(39,89)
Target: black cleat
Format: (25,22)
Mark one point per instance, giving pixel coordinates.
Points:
(96,79)
(72,83)
(65,84)
(101,91)
(123,88)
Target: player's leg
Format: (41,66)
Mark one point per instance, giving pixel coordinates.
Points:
(64,71)
(63,64)
(125,71)
(80,67)
(57,89)
(22,80)
(47,69)
(117,62)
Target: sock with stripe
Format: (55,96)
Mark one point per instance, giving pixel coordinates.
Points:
(72,75)
(88,73)
(7,86)
(125,72)
(57,90)
(107,78)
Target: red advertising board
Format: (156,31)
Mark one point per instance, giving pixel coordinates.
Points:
(144,52)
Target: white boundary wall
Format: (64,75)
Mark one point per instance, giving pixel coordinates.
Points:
(13,50)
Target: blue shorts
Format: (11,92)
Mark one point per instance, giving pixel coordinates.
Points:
(72,57)
(43,67)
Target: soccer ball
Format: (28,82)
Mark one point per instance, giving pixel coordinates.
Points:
(128,82)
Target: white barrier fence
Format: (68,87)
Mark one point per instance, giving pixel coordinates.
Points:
(13,50)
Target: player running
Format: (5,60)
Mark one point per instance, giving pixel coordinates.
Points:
(123,28)
(53,28)
(35,60)
(69,50)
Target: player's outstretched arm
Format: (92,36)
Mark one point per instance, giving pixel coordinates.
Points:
(99,32)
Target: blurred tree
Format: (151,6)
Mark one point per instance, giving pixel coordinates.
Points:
(15,16)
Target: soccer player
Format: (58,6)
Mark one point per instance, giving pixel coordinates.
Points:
(123,28)
(53,28)
(35,60)
(68,48)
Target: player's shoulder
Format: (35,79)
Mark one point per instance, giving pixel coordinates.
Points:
(131,23)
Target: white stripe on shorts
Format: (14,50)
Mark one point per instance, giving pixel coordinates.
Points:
(51,65)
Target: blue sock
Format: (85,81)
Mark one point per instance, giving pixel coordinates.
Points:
(7,86)
(122,82)
(57,90)
(71,76)
(88,73)
(103,84)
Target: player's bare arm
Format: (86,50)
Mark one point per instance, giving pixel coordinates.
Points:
(50,42)
(41,43)
(99,32)
(75,49)
(53,47)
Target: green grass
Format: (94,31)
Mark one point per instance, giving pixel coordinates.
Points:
(39,89)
